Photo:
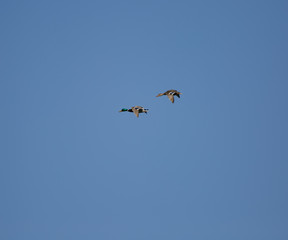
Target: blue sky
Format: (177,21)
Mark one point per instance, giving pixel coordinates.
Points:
(213,165)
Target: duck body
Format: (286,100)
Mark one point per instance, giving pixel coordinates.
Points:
(170,94)
(136,110)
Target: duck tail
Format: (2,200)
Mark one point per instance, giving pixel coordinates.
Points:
(160,94)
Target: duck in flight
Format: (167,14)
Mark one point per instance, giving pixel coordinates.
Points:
(136,110)
(170,94)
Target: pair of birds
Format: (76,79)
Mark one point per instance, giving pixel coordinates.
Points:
(137,109)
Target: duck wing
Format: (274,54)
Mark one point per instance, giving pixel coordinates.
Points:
(171,97)
(136,110)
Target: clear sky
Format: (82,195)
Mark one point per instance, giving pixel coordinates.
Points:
(213,165)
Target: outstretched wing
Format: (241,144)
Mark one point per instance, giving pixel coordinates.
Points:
(171,97)
(136,111)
